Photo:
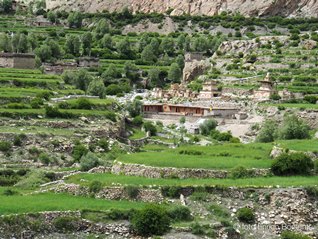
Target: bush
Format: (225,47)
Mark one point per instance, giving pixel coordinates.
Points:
(152,220)
(293,235)
(132,191)
(149,127)
(292,164)
(199,196)
(245,215)
(138,121)
(294,128)
(103,143)
(311,99)
(267,133)
(17,141)
(240,172)
(9,192)
(180,213)
(78,151)
(312,191)
(44,158)
(95,186)
(84,104)
(207,126)
(219,211)
(65,224)
(5,146)
(89,161)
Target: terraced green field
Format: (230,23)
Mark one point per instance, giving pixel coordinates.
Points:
(111,180)
(225,156)
(59,202)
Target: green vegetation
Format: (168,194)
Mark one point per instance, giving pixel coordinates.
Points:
(225,156)
(58,202)
(108,180)
(152,220)
(246,215)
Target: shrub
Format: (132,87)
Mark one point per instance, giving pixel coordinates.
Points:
(311,99)
(267,133)
(171,191)
(137,120)
(219,211)
(84,104)
(151,220)
(312,191)
(89,161)
(65,224)
(294,128)
(245,215)
(103,143)
(149,127)
(293,235)
(292,164)
(5,146)
(199,196)
(17,141)
(197,229)
(95,186)
(180,213)
(44,158)
(240,172)
(78,151)
(207,126)
(9,192)
(132,191)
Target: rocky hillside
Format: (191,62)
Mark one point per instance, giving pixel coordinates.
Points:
(301,8)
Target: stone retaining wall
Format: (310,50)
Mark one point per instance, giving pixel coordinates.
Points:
(10,228)
(111,193)
(182,173)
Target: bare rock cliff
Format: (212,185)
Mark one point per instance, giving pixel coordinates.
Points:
(291,8)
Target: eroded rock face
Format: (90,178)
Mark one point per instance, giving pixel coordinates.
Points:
(195,7)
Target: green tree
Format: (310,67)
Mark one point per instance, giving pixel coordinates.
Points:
(55,49)
(107,41)
(174,73)
(135,108)
(83,79)
(96,87)
(167,46)
(124,48)
(147,55)
(154,77)
(33,41)
(44,53)
(103,27)
(131,72)
(75,20)
(293,128)
(72,45)
(207,126)
(268,132)
(181,40)
(111,74)
(52,17)
(5,43)
(180,61)
(200,43)
(7,6)
(89,161)
(87,39)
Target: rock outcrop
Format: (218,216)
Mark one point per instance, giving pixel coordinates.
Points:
(301,8)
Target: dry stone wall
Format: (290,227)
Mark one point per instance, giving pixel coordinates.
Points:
(166,172)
